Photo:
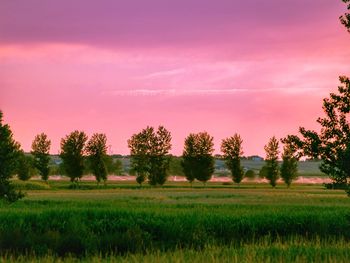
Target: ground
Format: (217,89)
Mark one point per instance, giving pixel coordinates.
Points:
(176,223)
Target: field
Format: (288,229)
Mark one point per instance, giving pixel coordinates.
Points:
(176,223)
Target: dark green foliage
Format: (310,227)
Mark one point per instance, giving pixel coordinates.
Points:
(149,152)
(159,166)
(96,149)
(40,151)
(114,165)
(175,167)
(140,178)
(250,174)
(289,167)
(331,143)
(263,172)
(25,166)
(205,167)
(232,150)
(344,160)
(72,154)
(57,169)
(198,161)
(189,158)
(271,160)
(9,154)
(345,19)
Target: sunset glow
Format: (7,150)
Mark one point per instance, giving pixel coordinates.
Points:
(220,66)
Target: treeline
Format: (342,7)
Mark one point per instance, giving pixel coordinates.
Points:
(150,159)
(114,166)
(150,152)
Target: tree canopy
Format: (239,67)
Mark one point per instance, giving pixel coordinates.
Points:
(9,154)
(198,161)
(96,149)
(232,150)
(40,151)
(72,154)
(333,139)
(289,167)
(149,150)
(271,167)
(345,19)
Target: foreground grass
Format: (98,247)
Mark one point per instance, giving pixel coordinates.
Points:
(294,250)
(220,223)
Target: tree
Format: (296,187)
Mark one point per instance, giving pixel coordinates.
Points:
(250,174)
(198,161)
(96,149)
(9,153)
(331,143)
(344,160)
(232,150)
(263,172)
(149,150)
(24,166)
(175,167)
(72,154)
(345,19)
(271,165)
(114,165)
(189,164)
(40,151)
(289,167)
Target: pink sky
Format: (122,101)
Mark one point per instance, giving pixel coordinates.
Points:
(259,68)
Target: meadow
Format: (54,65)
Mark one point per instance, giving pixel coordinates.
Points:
(121,222)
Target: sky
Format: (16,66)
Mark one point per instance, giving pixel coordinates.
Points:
(257,68)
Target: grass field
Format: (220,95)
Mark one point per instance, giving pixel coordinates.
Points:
(176,223)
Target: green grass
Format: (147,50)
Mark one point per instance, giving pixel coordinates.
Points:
(294,250)
(252,221)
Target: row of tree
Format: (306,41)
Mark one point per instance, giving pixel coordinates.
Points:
(150,157)
(93,157)
(149,149)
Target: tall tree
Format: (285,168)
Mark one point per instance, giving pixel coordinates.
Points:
(24,166)
(331,142)
(198,161)
(72,154)
(289,167)
(40,151)
(189,162)
(9,153)
(271,166)
(345,19)
(232,150)
(149,150)
(96,149)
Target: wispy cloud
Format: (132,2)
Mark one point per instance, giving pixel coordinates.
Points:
(165,73)
(206,92)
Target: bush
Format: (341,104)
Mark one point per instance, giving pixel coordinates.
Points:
(336,186)
(250,174)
